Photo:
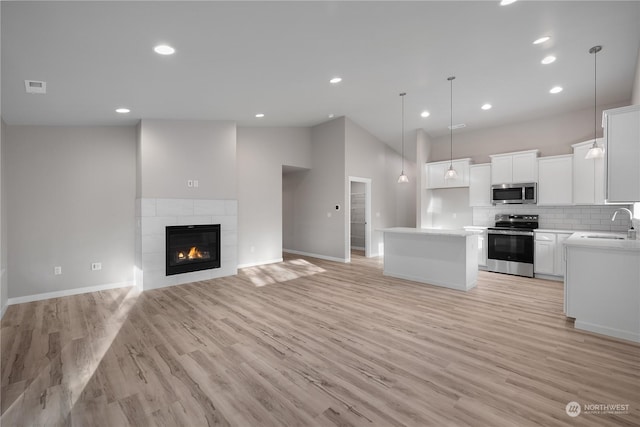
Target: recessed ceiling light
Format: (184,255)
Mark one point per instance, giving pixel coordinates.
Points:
(425,113)
(542,40)
(123,110)
(548,59)
(335,80)
(556,89)
(506,2)
(164,49)
(331,116)
(260,115)
(486,107)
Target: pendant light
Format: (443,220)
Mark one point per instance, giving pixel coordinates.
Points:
(451,172)
(403,179)
(595,152)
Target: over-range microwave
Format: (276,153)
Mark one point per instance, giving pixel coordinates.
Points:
(514,193)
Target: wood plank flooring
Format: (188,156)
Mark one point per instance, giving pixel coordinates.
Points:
(309,342)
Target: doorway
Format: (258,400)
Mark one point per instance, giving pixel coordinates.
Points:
(359,218)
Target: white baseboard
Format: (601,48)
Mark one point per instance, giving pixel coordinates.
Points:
(3,309)
(67,292)
(312,255)
(605,330)
(255,264)
(358,248)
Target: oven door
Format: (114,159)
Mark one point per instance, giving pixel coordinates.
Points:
(510,251)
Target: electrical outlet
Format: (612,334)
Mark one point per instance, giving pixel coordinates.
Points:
(57,271)
(95,266)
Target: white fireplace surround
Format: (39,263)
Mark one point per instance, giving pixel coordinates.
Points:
(154,215)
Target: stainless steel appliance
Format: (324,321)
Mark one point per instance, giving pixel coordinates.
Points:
(510,244)
(514,193)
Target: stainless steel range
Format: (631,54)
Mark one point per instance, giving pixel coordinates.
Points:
(511,244)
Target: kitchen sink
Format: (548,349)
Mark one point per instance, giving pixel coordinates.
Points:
(603,236)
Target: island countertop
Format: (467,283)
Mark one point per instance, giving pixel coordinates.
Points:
(603,240)
(454,232)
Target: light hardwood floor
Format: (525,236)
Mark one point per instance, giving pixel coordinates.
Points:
(309,342)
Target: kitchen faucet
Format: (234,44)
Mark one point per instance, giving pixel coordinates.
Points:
(613,218)
(631,233)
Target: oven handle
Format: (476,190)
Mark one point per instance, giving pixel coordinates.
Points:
(511,232)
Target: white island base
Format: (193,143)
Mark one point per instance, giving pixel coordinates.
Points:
(447,258)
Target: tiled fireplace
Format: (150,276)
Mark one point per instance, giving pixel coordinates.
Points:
(155,215)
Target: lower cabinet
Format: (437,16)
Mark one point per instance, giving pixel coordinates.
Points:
(549,257)
(482,244)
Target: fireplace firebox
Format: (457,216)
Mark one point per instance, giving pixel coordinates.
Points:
(192,248)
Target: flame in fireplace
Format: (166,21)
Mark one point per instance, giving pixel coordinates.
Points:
(194,253)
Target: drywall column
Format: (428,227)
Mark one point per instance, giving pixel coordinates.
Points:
(261,155)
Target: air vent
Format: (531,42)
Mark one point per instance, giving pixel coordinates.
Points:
(458,126)
(35,86)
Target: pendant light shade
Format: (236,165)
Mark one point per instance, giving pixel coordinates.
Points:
(451,172)
(403,179)
(595,152)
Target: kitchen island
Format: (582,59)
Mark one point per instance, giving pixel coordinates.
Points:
(447,258)
(602,284)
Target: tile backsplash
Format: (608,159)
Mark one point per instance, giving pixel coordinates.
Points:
(560,218)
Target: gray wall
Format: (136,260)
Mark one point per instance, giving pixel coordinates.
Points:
(551,135)
(261,155)
(391,204)
(319,228)
(423,155)
(4,285)
(70,202)
(170,152)
(635,93)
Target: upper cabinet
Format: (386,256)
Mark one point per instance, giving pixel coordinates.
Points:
(436,170)
(555,180)
(588,175)
(480,185)
(622,154)
(510,168)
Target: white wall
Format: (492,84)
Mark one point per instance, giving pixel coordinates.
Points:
(70,195)
(319,228)
(449,208)
(171,152)
(261,155)
(551,135)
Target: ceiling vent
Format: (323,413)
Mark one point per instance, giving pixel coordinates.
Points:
(35,86)
(458,126)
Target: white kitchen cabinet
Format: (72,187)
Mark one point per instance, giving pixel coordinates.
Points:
(549,258)
(560,254)
(514,168)
(482,244)
(435,174)
(555,179)
(544,257)
(588,175)
(480,185)
(622,154)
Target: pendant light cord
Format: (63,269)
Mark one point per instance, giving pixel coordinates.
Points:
(402,96)
(595,94)
(451,123)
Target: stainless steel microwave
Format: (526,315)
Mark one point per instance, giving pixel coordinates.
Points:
(514,193)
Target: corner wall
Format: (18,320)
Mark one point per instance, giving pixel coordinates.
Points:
(635,92)
(261,155)
(4,285)
(318,227)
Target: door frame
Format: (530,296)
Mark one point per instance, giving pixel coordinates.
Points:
(367,217)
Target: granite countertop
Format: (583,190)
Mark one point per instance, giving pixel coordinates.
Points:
(580,239)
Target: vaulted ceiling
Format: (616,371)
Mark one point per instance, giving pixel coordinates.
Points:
(236,59)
